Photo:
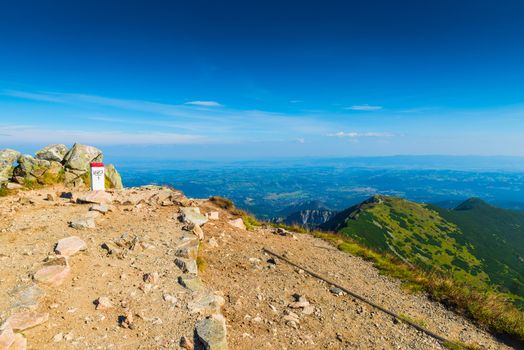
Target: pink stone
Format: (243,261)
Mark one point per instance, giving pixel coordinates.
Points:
(96,197)
(70,246)
(24,320)
(7,336)
(20,343)
(238,223)
(213,215)
(53,275)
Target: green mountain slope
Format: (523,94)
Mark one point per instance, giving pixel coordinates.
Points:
(496,236)
(475,242)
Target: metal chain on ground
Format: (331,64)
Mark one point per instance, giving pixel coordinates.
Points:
(369,302)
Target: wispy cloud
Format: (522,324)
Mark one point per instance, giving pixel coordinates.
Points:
(204,103)
(364,108)
(167,123)
(13,134)
(354,134)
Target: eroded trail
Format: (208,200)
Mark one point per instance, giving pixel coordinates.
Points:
(258,294)
(134,284)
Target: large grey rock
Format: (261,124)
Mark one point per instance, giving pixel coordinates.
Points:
(211,333)
(37,170)
(54,152)
(115,181)
(80,156)
(192,215)
(7,158)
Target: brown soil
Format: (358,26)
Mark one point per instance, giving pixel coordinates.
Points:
(257,292)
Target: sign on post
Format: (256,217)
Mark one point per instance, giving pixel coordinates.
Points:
(97,177)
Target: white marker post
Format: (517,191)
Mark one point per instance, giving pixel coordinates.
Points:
(97,177)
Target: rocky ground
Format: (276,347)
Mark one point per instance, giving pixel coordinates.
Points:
(120,271)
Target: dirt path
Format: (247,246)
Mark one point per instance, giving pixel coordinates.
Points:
(257,293)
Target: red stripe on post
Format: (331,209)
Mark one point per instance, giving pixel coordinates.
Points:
(97,165)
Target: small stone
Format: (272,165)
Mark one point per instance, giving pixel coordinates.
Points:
(25,320)
(308,310)
(238,223)
(56,260)
(101,208)
(186,343)
(13,186)
(58,337)
(169,298)
(273,261)
(82,223)
(197,231)
(50,197)
(336,290)
(53,275)
(211,333)
(213,215)
(20,342)
(187,265)
(151,277)
(103,303)
(188,250)
(70,246)
(192,215)
(212,242)
(298,304)
(127,320)
(28,297)
(193,283)
(95,197)
(7,336)
(66,195)
(206,303)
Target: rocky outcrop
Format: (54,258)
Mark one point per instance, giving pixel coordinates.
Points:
(55,164)
(7,158)
(30,170)
(55,153)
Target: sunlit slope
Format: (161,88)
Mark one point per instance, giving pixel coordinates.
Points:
(414,232)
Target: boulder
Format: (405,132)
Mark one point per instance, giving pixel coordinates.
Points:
(211,333)
(54,152)
(37,170)
(80,156)
(7,158)
(113,177)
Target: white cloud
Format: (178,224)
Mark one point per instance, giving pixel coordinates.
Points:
(364,108)
(204,103)
(13,134)
(353,134)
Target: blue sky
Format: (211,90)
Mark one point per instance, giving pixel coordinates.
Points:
(249,79)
